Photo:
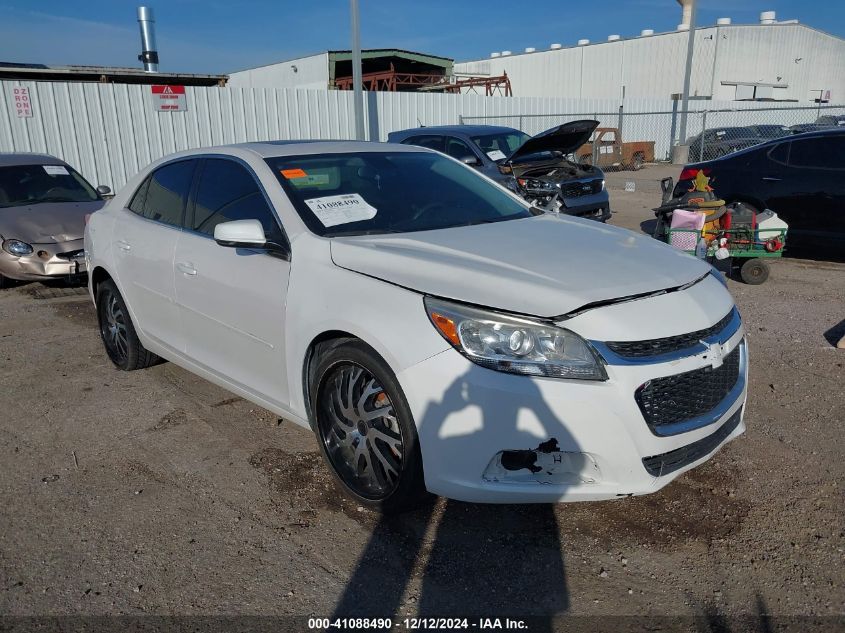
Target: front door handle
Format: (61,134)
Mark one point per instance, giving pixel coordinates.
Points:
(186,268)
(124,245)
(771,179)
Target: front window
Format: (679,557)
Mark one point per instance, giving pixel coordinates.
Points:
(22,185)
(390,192)
(500,145)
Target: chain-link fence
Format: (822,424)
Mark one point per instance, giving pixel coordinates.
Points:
(628,139)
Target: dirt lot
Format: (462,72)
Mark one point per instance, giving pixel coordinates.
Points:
(155,492)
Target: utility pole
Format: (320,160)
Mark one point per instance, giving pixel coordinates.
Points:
(688,73)
(358,95)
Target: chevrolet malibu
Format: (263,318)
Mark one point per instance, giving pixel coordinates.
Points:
(436,333)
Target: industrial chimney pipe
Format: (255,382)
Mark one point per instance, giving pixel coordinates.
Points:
(149,54)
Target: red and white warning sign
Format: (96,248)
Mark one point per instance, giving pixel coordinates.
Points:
(23,106)
(169,98)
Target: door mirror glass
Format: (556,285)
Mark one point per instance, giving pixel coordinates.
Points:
(240,234)
(472,161)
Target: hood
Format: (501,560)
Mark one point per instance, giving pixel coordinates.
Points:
(564,138)
(46,223)
(543,266)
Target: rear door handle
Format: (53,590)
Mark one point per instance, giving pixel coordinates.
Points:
(186,268)
(124,245)
(772,179)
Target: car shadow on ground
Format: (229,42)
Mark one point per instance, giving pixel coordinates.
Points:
(469,559)
(835,334)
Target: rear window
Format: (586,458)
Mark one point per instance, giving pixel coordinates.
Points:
(22,185)
(390,192)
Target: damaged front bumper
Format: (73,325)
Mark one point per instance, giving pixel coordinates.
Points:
(47,261)
(493,437)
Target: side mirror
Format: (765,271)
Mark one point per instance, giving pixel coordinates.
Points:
(247,234)
(472,161)
(105,191)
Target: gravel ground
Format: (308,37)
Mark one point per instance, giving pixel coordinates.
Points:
(157,493)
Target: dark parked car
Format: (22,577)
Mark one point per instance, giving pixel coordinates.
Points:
(800,128)
(831,120)
(801,177)
(535,167)
(769,131)
(720,142)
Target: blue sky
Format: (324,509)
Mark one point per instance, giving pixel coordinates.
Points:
(216,36)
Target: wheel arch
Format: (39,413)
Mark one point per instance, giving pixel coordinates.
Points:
(98,276)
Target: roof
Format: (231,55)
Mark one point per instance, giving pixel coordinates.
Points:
(458,129)
(104,74)
(305,147)
(24,158)
(700,27)
(367,53)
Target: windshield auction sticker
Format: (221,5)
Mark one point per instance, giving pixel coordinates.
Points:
(343,209)
(55,170)
(496,154)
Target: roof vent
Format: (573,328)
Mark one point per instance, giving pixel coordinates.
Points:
(723,22)
(506,53)
(530,49)
(583,42)
(494,55)
(556,47)
(646,32)
(768,17)
(614,38)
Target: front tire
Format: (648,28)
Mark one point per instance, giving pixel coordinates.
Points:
(365,428)
(118,332)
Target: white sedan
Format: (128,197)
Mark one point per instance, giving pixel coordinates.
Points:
(436,333)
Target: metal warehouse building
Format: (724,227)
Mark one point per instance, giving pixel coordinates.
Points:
(779,61)
(333,69)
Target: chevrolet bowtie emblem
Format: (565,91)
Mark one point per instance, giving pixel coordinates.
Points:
(715,354)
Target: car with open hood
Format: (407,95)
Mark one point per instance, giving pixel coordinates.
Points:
(43,204)
(536,167)
(435,331)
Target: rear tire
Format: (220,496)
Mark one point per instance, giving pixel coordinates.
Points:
(118,332)
(754,272)
(375,458)
(637,162)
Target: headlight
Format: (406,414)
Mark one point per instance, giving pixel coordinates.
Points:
(514,344)
(17,248)
(533,184)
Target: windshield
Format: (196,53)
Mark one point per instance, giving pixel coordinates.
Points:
(31,184)
(390,192)
(771,131)
(500,145)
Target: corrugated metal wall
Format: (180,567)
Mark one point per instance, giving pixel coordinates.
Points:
(801,58)
(111,131)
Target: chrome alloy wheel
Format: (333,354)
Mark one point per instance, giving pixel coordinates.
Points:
(360,432)
(113,328)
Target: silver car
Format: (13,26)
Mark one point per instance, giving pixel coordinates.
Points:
(43,204)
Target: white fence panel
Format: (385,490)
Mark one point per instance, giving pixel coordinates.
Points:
(111,131)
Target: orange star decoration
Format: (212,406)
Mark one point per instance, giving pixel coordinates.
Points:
(701,182)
